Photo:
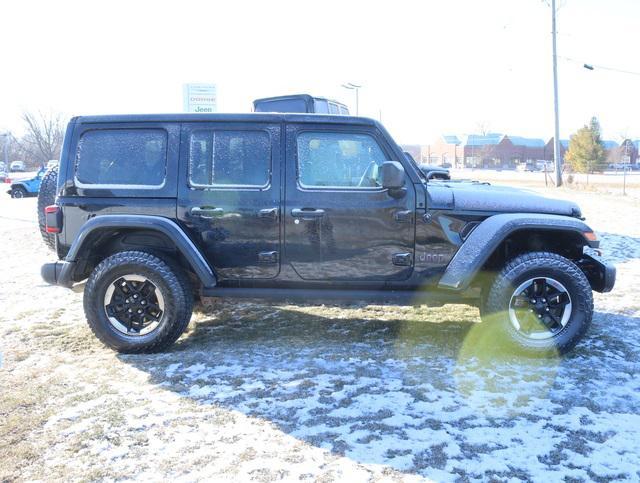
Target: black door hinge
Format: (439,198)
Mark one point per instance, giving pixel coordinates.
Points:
(268,257)
(402,259)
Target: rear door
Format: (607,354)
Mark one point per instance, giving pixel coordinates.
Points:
(340,224)
(229,195)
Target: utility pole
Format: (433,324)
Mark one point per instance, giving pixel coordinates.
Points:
(353,87)
(625,165)
(556,138)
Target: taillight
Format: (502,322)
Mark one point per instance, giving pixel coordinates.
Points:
(52,219)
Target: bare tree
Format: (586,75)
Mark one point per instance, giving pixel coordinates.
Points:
(483,127)
(43,137)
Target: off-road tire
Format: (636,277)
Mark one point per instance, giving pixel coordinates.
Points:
(522,268)
(46,197)
(173,283)
(18,192)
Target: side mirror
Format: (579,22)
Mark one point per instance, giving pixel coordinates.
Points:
(392,175)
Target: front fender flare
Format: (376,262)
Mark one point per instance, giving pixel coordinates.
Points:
(488,235)
(147,222)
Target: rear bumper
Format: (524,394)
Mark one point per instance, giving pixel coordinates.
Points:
(58,273)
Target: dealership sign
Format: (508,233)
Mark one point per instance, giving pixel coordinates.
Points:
(199,98)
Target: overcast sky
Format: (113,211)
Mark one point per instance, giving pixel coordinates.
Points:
(428,66)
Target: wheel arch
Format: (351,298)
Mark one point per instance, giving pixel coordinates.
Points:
(502,237)
(104,235)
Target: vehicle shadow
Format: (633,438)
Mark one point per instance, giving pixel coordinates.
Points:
(410,394)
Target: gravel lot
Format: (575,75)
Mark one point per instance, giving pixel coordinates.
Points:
(357,393)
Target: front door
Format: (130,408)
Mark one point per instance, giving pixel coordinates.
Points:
(340,224)
(229,196)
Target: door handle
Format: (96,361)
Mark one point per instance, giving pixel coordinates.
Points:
(268,213)
(206,213)
(404,216)
(307,213)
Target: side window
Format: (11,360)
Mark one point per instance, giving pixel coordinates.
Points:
(127,157)
(321,106)
(345,160)
(333,108)
(344,111)
(229,158)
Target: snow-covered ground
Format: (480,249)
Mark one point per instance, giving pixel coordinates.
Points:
(258,392)
(612,182)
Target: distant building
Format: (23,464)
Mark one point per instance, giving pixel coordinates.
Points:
(506,151)
(548,149)
(446,150)
(415,150)
(491,150)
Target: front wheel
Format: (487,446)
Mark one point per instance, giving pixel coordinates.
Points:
(540,303)
(136,302)
(18,192)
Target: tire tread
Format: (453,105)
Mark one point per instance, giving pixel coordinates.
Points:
(46,197)
(536,260)
(175,278)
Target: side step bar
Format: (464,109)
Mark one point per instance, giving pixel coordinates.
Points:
(397,297)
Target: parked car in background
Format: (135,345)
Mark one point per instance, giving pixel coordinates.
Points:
(547,166)
(26,187)
(300,103)
(622,167)
(435,172)
(430,171)
(17,166)
(530,166)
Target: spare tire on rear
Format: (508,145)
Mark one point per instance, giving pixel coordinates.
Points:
(46,197)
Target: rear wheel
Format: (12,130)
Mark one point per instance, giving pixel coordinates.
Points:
(46,197)
(18,192)
(136,302)
(540,303)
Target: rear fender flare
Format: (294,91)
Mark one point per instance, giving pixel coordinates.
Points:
(162,225)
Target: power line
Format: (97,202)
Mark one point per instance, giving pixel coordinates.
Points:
(603,67)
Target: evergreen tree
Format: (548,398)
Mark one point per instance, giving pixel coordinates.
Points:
(586,151)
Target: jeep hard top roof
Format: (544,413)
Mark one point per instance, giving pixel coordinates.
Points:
(230,117)
(296,96)
(306,97)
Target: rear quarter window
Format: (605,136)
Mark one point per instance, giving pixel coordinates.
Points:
(122,157)
(321,106)
(284,105)
(221,158)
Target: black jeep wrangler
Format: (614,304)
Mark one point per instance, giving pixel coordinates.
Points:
(156,210)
